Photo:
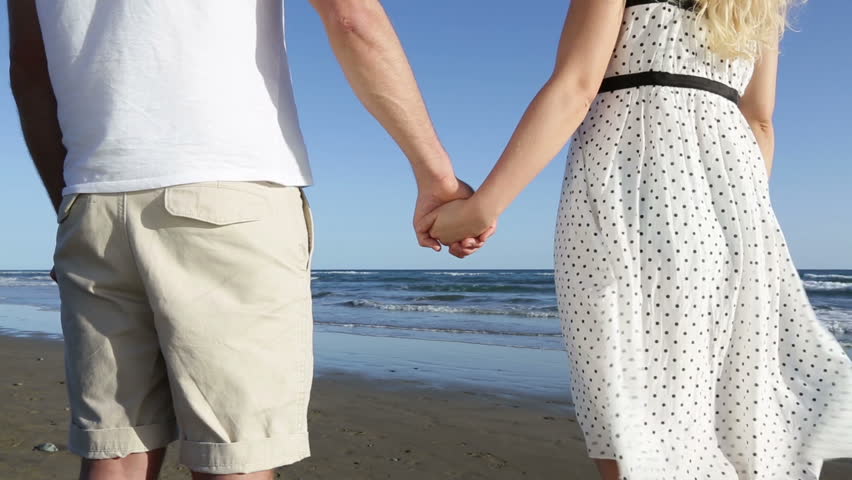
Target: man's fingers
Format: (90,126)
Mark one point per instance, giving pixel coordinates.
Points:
(422,226)
(425,240)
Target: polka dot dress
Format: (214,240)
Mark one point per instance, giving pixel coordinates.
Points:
(693,349)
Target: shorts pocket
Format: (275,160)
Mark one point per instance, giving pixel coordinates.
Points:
(309,224)
(215,204)
(65,207)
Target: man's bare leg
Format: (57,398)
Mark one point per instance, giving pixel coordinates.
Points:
(136,466)
(608,469)
(265,475)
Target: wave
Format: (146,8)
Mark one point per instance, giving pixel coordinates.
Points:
(345,272)
(441,298)
(460,274)
(834,277)
(27,281)
(818,286)
(478,288)
(447,309)
(439,330)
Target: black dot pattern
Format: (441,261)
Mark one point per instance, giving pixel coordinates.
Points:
(694,351)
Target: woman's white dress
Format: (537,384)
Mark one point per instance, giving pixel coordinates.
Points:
(694,351)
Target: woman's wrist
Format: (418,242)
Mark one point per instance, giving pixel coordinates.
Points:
(486,208)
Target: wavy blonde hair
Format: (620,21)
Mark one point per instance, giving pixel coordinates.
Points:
(743,28)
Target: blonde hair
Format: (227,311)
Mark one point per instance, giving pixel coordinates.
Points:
(743,28)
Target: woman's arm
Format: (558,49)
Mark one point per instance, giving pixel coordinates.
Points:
(585,48)
(758,103)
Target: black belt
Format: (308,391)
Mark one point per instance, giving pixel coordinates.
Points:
(665,79)
(685,4)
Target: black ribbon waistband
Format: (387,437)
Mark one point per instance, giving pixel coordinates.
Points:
(684,4)
(665,79)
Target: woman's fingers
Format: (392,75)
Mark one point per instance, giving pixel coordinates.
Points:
(458,250)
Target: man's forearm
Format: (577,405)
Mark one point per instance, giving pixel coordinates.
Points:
(37,110)
(34,95)
(378,70)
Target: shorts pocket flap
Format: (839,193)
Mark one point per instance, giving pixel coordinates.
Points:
(65,207)
(215,204)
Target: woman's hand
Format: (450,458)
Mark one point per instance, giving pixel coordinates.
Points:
(461,219)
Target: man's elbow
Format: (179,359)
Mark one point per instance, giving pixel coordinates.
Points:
(347,16)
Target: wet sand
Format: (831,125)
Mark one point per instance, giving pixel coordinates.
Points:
(387,429)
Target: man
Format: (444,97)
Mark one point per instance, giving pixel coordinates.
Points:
(166,135)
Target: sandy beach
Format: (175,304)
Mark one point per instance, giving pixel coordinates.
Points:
(385,429)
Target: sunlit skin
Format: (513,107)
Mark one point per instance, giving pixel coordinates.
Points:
(591,29)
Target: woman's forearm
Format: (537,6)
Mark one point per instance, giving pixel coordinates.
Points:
(764,133)
(550,120)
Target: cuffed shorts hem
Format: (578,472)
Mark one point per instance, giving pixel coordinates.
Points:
(244,457)
(119,442)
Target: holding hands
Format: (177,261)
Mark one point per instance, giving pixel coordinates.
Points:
(443,199)
(462,219)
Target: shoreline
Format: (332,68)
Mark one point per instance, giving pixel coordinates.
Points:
(361,428)
(512,372)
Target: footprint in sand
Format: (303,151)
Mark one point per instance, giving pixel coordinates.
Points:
(493,461)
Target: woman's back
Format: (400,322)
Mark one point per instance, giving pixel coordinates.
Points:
(694,351)
(668,37)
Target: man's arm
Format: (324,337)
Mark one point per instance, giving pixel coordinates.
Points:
(376,66)
(34,95)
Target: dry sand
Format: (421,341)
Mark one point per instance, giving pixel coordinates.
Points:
(359,429)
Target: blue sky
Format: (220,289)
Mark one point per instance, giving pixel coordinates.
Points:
(479,63)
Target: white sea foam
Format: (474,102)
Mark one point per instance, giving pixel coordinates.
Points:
(345,272)
(448,309)
(459,274)
(828,276)
(823,286)
(34,281)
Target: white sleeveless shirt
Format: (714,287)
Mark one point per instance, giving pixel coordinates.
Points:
(153,93)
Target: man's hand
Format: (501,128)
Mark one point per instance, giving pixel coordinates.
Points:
(461,219)
(431,196)
(376,66)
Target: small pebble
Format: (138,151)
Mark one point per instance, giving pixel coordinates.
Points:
(46,447)
(394,459)
(17,384)
(39,359)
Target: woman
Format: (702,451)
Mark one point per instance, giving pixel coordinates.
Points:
(694,351)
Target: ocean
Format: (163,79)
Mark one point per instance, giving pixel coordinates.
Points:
(508,308)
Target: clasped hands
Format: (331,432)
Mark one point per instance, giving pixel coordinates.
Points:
(448,213)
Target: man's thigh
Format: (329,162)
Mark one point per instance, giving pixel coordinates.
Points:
(116,377)
(226,266)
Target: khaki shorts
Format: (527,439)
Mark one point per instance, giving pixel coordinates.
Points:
(186,313)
